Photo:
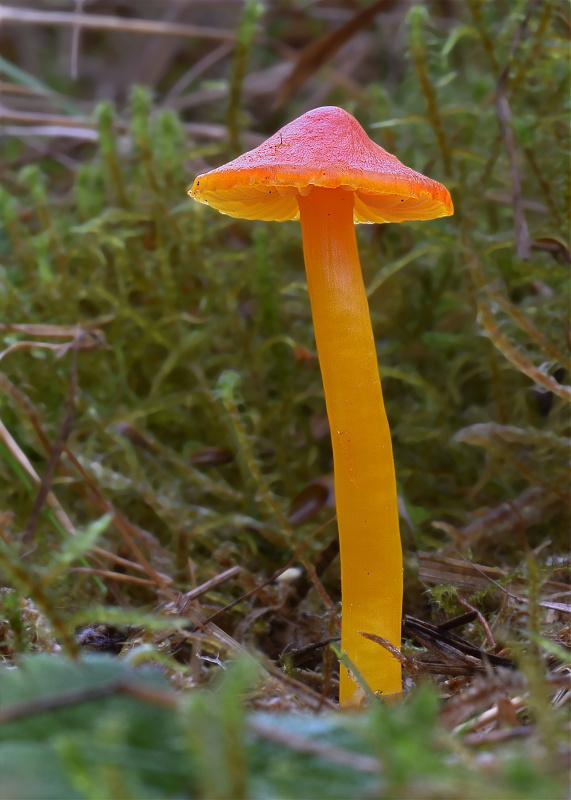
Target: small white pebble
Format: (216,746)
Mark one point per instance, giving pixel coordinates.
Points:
(290,575)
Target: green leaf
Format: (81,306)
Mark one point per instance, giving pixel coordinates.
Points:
(77,546)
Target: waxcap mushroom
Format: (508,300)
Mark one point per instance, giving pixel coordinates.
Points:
(325,147)
(325,171)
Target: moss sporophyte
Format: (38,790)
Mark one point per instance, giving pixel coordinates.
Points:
(323,169)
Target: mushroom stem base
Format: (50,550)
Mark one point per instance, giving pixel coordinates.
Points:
(365,487)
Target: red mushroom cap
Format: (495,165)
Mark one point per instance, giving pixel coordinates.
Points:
(325,147)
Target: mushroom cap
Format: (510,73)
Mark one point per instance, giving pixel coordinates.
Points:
(325,147)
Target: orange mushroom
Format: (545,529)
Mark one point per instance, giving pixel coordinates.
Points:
(323,169)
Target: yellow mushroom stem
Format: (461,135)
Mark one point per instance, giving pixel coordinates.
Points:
(365,487)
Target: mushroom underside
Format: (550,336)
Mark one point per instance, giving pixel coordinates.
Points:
(278,203)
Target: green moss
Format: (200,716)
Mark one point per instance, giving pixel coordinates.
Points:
(197,332)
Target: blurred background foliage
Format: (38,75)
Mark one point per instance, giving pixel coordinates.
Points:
(158,361)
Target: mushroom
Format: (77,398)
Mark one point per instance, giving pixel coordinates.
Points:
(323,169)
